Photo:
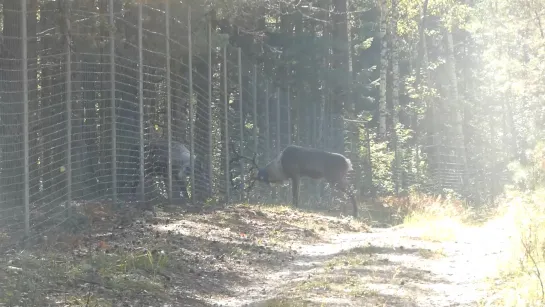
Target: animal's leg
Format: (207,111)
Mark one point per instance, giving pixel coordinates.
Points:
(134,186)
(295,190)
(177,185)
(354,203)
(147,205)
(185,195)
(182,175)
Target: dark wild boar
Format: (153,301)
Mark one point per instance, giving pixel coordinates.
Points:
(156,164)
(295,162)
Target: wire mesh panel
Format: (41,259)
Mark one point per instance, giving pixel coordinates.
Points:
(119,101)
(12,119)
(49,132)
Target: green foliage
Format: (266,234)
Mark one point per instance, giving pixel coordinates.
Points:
(410,12)
(497,51)
(520,280)
(530,175)
(381,160)
(364,44)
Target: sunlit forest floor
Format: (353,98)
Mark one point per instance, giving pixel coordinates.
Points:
(255,256)
(409,265)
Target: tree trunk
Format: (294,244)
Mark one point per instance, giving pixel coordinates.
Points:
(457,108)
(422,54)
(383,70)
(395,98)
(340,59)
(354,125)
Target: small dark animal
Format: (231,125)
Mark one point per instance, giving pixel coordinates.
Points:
(295,162)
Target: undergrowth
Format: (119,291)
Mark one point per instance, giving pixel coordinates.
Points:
(160,260)
(521,274)
(437,218)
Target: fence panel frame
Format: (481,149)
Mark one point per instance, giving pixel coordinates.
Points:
(210,119)
(24,68)
(241,123)
(68,77)
(141,104)
(226,114)
(113,100)
(169,101)
(191,107)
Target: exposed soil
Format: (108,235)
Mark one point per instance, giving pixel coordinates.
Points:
(248,256)
(387,267)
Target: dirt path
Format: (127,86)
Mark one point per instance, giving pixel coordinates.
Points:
(249,256)
(387,267)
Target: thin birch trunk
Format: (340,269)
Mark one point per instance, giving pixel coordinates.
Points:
(422,54)
(457,108)
(395,97)
(383,69)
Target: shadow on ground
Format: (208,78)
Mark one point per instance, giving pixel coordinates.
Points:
(127,258)
(361,276)
(347,271)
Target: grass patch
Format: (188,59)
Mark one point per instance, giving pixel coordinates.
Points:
(521,273)
(438,218)
(156,261)
(284,302)
(335,285)
(282,224)
(337,278)
(434,228)
(358,256)
(313,221)
(431,254)
(36,279)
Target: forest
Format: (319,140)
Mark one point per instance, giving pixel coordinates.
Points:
(437,99)
(434,97)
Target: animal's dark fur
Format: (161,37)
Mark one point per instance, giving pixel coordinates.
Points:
(295,162)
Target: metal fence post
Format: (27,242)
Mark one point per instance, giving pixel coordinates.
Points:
(278,120)
(241,116)
(210,134)
(112,103)
(297,125)
(278,148)
(289,115)
(191,107)
(226,110)
(24,68)
(68,113)
(288,105)
(141,100)
(169,100)
(267,127)
(254,126)
(254,83)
